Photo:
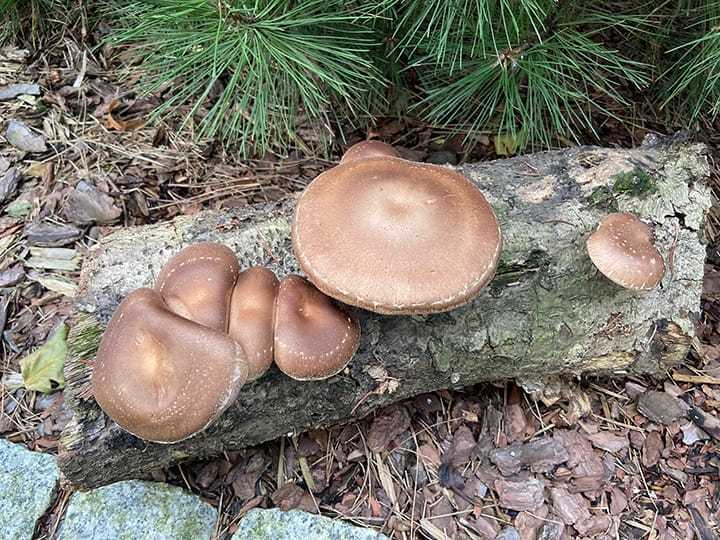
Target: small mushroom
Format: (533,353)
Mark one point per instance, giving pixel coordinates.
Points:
(622,249)
(197,283)
(162,377)
(366,149)
(314,338)
(251,317)
(394,236)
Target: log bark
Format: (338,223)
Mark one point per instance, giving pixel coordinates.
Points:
(547,312)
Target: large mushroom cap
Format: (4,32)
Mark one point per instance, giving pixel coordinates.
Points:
(162,377)
(622,249)
(367,149)
(197,283)
(314,338)
(396,237)
(251,317)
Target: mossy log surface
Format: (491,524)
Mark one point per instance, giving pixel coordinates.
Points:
(547,312)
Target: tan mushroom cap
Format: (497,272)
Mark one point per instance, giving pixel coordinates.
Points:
(162,377)
(251,317)
(622,249)
(197,283)
(314,338)
(367,149)
(396,237)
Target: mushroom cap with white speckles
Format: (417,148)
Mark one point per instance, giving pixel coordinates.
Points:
(396,237)
(314,338)
(162,377)
(366,149)
(251,317)
(197,283)
(622,249)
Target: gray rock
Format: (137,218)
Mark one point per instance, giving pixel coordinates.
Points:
(27,483)
(508,533)
(661,407)
(9,184)
(23,138)
(138,510)
(12,91)
(275,524)
(51,235)
(87,204)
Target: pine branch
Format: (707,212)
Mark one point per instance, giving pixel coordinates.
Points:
(247,71)
(546,86)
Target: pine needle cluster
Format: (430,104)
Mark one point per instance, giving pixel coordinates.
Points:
(264,73)
(27,20)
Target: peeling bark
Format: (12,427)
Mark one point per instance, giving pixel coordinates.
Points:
(547,312)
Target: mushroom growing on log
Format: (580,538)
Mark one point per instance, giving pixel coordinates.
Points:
(197,283)
(546,313)
(314,338)
(622,249)
(163,377)
(394,236)
(252,310)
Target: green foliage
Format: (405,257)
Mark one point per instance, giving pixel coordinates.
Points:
(43,367)
(25,20)
(535,92)
(531,73)
(250,69)
(693,79)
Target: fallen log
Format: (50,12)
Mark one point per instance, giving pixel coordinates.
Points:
(547,312)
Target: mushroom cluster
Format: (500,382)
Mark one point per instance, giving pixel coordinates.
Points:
(377,231)
(173,358)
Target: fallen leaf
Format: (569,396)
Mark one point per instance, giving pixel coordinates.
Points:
(113,122)
(45,365)
(291,496)
(505,144)
(386,426)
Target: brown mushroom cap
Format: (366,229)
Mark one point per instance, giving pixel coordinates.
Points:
(314,338)
(367,149)
(197,283)
(396,237)
(622,249)
(162,377)
(251,317)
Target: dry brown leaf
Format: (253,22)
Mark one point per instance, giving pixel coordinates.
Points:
(116,123)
